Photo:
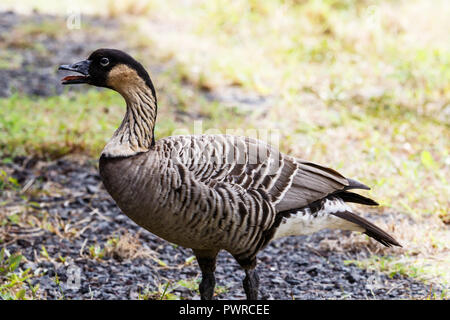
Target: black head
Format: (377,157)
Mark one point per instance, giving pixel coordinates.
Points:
(110,68)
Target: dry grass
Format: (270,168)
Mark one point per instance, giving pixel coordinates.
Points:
(424,253)
(127,246)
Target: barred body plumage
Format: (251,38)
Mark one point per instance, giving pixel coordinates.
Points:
(213,192)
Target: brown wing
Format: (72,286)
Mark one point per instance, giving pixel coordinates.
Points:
(247,164)
(310,182)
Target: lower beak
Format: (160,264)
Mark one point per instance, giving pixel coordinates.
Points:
(81,67)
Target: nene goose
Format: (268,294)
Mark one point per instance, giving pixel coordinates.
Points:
(212,192)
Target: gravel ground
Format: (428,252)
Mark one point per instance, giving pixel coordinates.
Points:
(77,216)
(31,50)
(70,193)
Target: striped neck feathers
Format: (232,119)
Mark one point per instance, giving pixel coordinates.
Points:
(136,132)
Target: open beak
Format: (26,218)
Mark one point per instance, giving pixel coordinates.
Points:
(81,67)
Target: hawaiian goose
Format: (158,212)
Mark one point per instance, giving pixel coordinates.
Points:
(212,192)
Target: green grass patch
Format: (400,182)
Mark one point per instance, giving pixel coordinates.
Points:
(58,125)
(83,122)
(14,282)
(406,266)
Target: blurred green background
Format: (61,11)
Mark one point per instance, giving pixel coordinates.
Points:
(360,86)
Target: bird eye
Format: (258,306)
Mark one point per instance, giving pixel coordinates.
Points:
(104,62)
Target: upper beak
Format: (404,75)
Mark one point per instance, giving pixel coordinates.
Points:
(80,67)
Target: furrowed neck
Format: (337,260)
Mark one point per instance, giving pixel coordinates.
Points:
(136,132)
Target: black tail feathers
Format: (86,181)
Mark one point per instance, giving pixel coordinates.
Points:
(355,198)
(370,229)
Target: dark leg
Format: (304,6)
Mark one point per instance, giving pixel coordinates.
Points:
(251,280)
(207,262)
(251,284)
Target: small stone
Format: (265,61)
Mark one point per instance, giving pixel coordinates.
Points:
(91,189)
(312,271)
(292,280)
(351,277)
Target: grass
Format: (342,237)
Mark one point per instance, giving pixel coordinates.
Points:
(402,267)
(165,291)
(49,132)
(72,123)
(353,85)
(14,282)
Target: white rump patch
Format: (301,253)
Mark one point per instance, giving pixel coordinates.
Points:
(304,222)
